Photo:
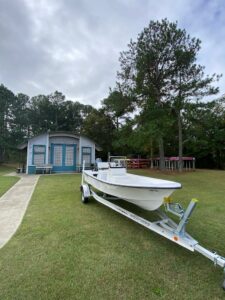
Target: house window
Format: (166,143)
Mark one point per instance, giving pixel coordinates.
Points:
(57,156)
(86,155)
(69,155)
(38,154)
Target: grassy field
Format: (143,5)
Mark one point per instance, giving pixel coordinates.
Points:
(6,181)
(67,250)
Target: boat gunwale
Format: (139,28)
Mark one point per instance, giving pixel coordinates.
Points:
(136,187)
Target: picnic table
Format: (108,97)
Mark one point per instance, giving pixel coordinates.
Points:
(138,163)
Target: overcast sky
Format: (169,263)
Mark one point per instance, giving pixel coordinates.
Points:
(73,46)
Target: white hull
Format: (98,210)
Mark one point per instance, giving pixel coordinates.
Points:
(148,193)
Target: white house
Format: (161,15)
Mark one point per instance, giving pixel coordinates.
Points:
(61,151)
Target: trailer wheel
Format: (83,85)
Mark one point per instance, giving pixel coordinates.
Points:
(84,199)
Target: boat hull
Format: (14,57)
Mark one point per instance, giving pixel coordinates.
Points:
(146,198)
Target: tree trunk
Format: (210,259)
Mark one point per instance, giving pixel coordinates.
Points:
(56,122)
(161,155)
(152,166)
(1,155)
(117,123)
(3,133)
(180,142)
(161,145)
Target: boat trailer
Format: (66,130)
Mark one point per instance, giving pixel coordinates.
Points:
(165,226)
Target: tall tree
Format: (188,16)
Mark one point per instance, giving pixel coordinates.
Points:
(117,105)
(147,69)
(189,81)
(41,114)
(204,132)
(7,99)
(99,126)
(20,127)
(160,69)
(72,115)
(56,99)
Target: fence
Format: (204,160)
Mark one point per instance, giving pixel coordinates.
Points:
(171,163)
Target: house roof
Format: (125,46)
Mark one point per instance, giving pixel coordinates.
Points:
(64,133)
(22,146)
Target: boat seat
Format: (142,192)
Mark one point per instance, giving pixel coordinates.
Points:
(113,164)
(103,165)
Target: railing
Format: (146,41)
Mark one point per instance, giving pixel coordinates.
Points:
(171,163)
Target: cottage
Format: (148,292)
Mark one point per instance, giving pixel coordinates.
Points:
(58,152)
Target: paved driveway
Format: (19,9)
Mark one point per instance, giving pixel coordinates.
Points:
(13,205)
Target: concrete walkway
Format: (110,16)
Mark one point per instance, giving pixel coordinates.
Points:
(13,205)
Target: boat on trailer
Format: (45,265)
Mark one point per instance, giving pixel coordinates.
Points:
(113,182)
(112,179)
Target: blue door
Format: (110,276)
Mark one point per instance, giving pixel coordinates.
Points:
(63,157)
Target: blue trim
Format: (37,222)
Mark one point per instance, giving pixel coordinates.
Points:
(38,152)
(90,154)
(31,169)
(63,167)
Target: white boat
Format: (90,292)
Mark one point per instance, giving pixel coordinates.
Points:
(112,178)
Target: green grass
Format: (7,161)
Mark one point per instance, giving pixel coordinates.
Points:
(6,182)
(4,169)
(68,250)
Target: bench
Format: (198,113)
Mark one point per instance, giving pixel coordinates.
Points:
(45,169)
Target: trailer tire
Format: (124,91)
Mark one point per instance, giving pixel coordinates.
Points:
(83,198)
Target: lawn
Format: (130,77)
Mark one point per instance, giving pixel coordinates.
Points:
(6,181)
(67,250)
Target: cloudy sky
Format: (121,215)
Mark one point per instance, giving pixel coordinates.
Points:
(73,46)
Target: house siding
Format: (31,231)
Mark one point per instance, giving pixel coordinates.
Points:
(86,142)
(39,140)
